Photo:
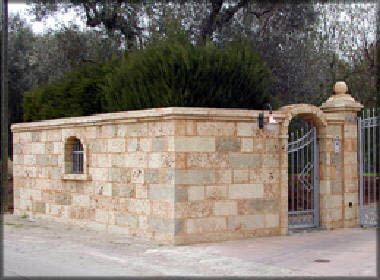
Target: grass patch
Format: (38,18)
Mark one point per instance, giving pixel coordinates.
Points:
(24,216)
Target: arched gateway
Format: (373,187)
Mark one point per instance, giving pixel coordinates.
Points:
(303,164)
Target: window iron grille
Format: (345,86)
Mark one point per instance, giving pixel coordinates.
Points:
(77,157)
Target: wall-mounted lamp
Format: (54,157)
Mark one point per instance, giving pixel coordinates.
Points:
(261,116)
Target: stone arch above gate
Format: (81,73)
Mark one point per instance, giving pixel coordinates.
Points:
(304,110)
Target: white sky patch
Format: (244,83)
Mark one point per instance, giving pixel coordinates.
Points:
(50,22)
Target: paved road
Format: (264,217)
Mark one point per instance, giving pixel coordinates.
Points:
(42,248)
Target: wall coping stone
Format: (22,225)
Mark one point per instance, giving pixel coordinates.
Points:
(168,113)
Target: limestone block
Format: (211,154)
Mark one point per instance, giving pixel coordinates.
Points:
(108,131)
(141,191)
(207,160)
(139,206)
(227,144)
(180,160)
(246,191)
(258,206)
(151,176)
(126,190)
(161,160)
(99,174)
(224,208)
(143,222)
(116,160)
(194,144)
(272,146)
(161,128)
(132,144)
(196,193)
(215,128)
(162,209)
(136,159)
(26,204)
(246,222)
(258,145)
(241,176)
(351,197)
(38,148)
(57,148)
(145,144)
(91,132)
(159,144)
(25,137)
(193,209)
(137,176)
(163,225)
(245,129)
(17,149)
(271,160)
(239,160)
(223,176)
(81,200)
(246,145)
(116,145)
(18,159)
(138,129)
(54,135)
(121,130)
(203,225)
(127,219)
(216,192)
(101,216)
(16,138)
(63,198)
(100,146)
(271,220)
(194,177)
(38,206)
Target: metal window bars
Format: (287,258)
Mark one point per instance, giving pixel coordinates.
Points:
(77,157)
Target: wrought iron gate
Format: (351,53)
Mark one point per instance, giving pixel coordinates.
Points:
(303,190)
(368,154)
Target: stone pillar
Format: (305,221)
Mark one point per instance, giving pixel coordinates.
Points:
(339,201)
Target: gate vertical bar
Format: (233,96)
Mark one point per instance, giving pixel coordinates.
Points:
(316,178)
(361,181)
(374,158)
(368,159)
(292,174)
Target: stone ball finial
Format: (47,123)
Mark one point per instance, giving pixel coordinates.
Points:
(340,88)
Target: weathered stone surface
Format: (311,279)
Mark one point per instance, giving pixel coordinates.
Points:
(159,144)
(271,160)
(196,192)
(167,193)
(63,198)
(116,145)
(81,200)
(193,209)
(139,129)
(216,128)
(151,176)
(223,176)
(136,159)
(207,160)
(162,209)
(203,225)
(247,222)
(194,144)
(227,144)
(216,192)
(132,144)
(139,206)
(245,191)
(166,225)
(245,129)
(123,190)
(225,208)
(241,176)
(194,177)
(246,145)
(271,220)
(161,160)
(39,207)
(126,219)
(238,160)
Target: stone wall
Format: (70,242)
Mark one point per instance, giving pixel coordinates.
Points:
(182,175)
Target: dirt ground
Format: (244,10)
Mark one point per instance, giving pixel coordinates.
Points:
(45,248)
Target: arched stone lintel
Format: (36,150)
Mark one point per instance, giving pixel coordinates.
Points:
(304,110)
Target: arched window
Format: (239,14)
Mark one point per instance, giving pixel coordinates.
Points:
(74,159)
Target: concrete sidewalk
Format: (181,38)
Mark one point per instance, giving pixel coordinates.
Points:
(42,248)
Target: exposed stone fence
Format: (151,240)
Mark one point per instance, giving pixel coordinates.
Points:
(183,175)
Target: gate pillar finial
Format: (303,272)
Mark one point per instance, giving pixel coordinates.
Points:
(341,100)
